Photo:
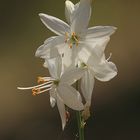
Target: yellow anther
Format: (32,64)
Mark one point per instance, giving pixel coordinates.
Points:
(40,80)
(35,91)
(73,40)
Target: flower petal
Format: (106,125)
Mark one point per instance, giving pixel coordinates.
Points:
(94,49)
(54,24)
(100,31)
(52,97)
(51,47)
(81,17)
(87,84)
(62,112)
(72,75)
(55,66)
(69,8)
(70,96)
(70,55)
(104,71)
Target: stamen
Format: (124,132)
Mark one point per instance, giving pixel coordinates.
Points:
(26,88)
(44,79)
(40,80)
(35,91)
(38,91)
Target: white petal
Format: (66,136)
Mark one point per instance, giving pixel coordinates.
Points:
(42,49)
(62,112)
(52,97)
(54,24)
(81,18)
(55,66)
(94,49)
(100,31)
(87,84)
(70,96)
(51,47)
(50,53)
(72,75)
(69,8)
(70,54)
(105,71)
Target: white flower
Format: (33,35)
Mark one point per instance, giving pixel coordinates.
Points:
(59,87)
(97,66)
(74,37)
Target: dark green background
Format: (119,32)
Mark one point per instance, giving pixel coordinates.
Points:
(116,104)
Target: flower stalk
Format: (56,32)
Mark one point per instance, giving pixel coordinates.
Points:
(81,125)
(80,119)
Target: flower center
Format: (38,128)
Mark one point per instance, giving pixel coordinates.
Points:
(56,82)
(73,40)
(83,65)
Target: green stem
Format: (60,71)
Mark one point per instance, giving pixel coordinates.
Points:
(80,120)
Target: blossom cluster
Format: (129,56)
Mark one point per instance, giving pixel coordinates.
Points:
(76,53)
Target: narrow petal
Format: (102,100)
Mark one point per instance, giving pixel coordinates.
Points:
(62,112)
(72,75)
(81,17)
(87,84)
(70,96)
(51,47)
(55,66)
(100,31)
(54,24)
(69,8)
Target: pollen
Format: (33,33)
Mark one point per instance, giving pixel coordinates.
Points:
(40,80)
(72,40)
(35,91)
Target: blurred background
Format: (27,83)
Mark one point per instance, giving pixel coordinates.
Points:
(116,104)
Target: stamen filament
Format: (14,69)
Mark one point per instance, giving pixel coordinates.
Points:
(42,91)
(26,88)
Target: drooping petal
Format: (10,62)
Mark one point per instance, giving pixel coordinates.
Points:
(51,47)
(80,18)
(54,24)
(69,8)
(70,96)
(87,84)
(72,75)
(104,71)
(100,31)
(61,109)
(55,66)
